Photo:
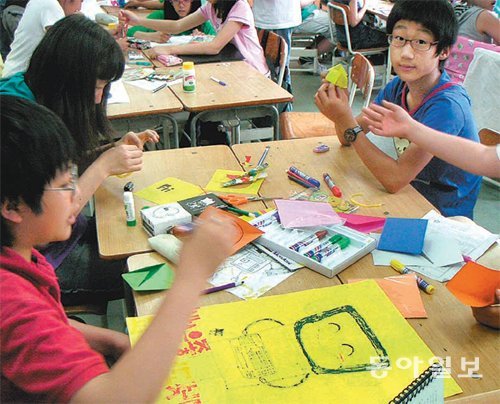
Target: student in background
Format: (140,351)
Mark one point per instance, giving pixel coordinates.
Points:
(233,21)
(38,16)
(75,84)
(390,120)
(315,21)
(10,17)
(421,34)
(362,36)
(171,10)
(44,356)
(281,17)
(478,21)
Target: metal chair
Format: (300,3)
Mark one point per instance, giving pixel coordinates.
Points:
(338,16)
(302,46)
(99,309)
(311,124)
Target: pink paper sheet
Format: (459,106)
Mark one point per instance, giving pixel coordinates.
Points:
(306,214)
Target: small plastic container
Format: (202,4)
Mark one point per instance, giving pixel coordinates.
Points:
(189,77)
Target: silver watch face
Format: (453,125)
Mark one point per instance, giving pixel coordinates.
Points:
(350,135)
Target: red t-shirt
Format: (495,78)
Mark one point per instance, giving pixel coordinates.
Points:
(43,358)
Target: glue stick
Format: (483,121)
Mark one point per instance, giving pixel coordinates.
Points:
(128,200)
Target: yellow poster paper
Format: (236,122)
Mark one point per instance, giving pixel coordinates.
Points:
(341,344)
(220,176)
(169,190)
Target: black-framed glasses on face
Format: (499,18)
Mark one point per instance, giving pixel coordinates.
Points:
(417,44)
(72,183)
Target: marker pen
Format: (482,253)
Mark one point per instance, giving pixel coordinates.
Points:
(304,176)
(333,188)
(128,200)
(422,284)
(308,240)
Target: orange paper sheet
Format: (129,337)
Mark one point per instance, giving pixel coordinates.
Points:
(403,292)
(474,285)
(245,234)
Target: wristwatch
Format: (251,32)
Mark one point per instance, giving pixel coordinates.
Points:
(351,134)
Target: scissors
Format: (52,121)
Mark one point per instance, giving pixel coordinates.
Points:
(238,200)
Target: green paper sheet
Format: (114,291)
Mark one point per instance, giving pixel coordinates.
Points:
(154,277)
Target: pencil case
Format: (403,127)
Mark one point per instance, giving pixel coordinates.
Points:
(169,60)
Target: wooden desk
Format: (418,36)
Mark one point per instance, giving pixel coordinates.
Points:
(146,103)
(451,330)
(148,303)
(195,165)
(246,88)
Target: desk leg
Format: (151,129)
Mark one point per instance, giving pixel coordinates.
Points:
(175,131)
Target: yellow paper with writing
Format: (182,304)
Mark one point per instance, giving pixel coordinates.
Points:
(220,176)
(312,346)
(337,76)
(169,190)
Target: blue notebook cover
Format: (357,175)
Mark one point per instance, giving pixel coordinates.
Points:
(403,235)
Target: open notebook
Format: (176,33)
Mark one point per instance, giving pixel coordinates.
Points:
(428,388)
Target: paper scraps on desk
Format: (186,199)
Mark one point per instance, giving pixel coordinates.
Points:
(169,190)
(403,292)
(154,277)
(259,272)
(254,351)
(403,235)
(220,176)
(296,214)
(364,224)
(474,285)
(337,76)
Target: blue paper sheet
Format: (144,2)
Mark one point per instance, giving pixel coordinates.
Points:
(403,235)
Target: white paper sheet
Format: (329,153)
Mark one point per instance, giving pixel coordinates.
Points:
(151,85)
(118,93)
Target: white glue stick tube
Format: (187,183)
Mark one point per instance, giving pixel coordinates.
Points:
(128,200)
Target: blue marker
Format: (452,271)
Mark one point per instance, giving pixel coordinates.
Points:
(304,176)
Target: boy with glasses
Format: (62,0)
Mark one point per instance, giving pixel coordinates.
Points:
(44,356)
(421,33)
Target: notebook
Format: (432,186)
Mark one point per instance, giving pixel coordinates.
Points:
(428,388)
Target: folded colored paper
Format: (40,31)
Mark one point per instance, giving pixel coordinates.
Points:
(154,277)
(475,285)
(364,224)
(169,190)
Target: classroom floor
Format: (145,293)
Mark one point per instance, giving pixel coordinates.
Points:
(486,213)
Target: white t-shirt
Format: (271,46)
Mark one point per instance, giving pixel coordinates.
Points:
(277,14)
(37,17)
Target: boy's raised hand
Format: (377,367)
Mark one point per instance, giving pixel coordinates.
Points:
(388,120)
(333,102)
(209,245)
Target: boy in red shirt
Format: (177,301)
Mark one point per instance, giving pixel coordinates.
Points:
(45,356)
